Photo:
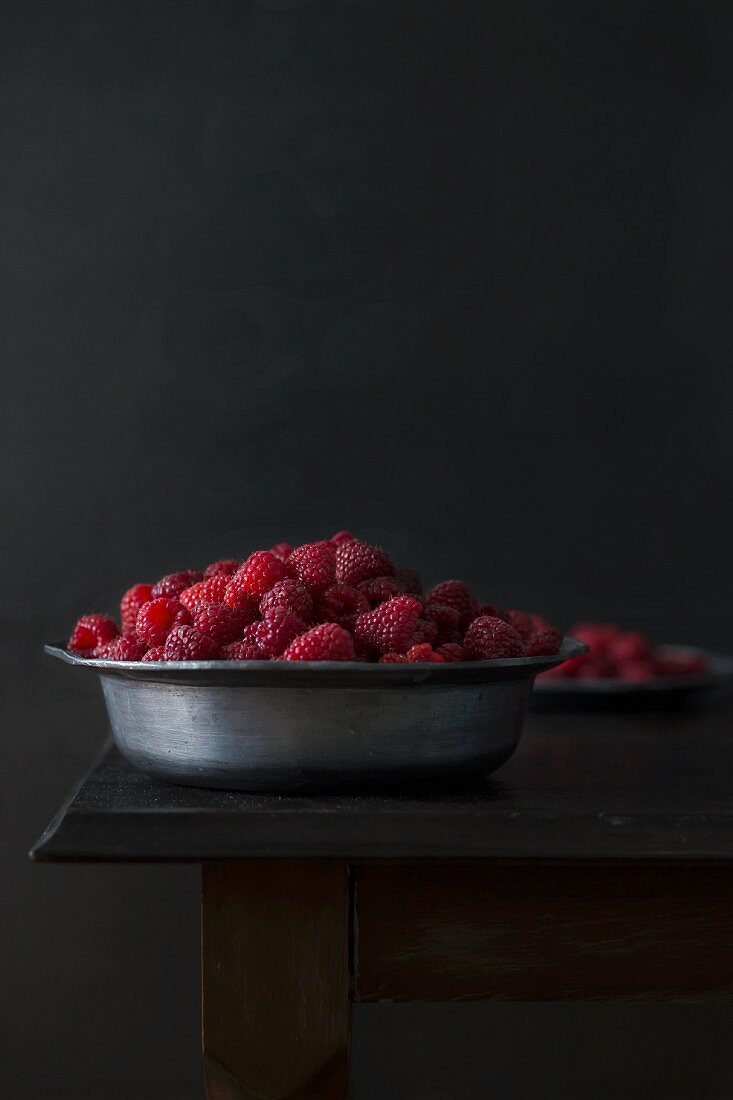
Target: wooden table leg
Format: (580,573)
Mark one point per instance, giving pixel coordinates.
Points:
(275,980)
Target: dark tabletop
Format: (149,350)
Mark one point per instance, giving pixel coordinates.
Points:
(581,785)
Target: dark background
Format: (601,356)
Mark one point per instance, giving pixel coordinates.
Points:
(456,276)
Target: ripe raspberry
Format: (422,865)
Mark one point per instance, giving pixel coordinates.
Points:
(489,639)
(453,593)
(637,672)
(223,624)
(186,644)
(522,623)
(393,659)
(281,550)
(425,631)
(123,649)
(446,619)
(291,595)
(173,584)
(495,613)
(356,561)
(225,568)
(325,642)
(629,648)
(597,636)
(156,619)
(257,576)
(243,651)
(342,536)
(157,653)
(543,643)
(90,633)
(390,627)
(314,564)
(408,581)
(451,652)
(276,631)
(424,654)
(379,589)
(131,603)
(339,602)
(205,592)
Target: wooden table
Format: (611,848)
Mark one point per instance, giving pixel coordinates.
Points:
(595,866)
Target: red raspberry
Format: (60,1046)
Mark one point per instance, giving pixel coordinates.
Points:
(379,589)
(495,613)
(356,561)
(342,536)
(223,624)
(276,631)
(446,619)
(225,568)
(339,602)
(629,648)
(522,623)
(124,649)
(186,644)
(596,636)
(409,581)
(325,642)
(489,639)
(291,595)
(90,633)
(156,619)
(390,627)
(451,652)
(243,651)
(173,584)
(258,574)
(424,654)
(543,643)
(425,631)
(211,590)
(637,672)
(314,564)
(157,653)
(131,603)
(454,594)
(393,659)
(281,550)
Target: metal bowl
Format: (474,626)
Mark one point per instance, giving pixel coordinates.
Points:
(306,726)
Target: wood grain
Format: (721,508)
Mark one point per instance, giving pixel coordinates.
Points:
(275,980)
(544,932)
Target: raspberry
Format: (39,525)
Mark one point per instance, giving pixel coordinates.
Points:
(681,664)
(629,648)
(276,631)
(489,639)
(543,643)
(173,584)
(205,592)
(156,619)
(424,654)
(223,624)
(325,642)
(454,594)
(225,568)
(157,653)
(342,536)
(408,581)
(339,602)
(356,561)
(596,636)
(496,613)
(379,589)
(393,659)
(446,619)
(636,672)
(314,564)
(522,623)
(131,603)
(451,652)
(243,651)
(90,633)
(289,594)
(124,649)
(281,550)
(186,644)
(390,627)
(257,576)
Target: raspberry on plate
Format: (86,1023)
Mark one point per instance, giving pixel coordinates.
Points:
(157,653)
(290,594)
(489,639)
(227,567)
(630,648)
(124,649)
(543,643)
(325,642)
(173,584)
(258,574)
(276,631)
(222,623)
(90,633)
(156,619)
(379,589)
(451,652)
(314,565)
(205,592)
(184,643)
(243,651)
(424,654)
(131,603)
(390,627)
(357,561)
(340,601)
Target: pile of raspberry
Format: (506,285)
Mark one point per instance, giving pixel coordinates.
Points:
(339,599)
(615,654)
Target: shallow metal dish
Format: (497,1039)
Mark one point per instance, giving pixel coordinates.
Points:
(306,726)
